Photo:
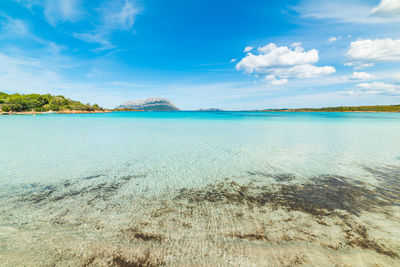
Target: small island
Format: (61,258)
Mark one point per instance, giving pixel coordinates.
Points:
(149,104)
(36,103)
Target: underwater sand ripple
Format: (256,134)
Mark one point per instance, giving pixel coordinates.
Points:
(87,222)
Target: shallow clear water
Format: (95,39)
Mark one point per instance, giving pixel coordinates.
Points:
(200,188)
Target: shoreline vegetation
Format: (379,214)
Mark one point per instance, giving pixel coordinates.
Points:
(36,104)
(376,108)
(32,104)
(54,112)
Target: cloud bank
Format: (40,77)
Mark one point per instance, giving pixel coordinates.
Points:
(376,88)
(386,8)
(355,11)
(375,50)
(282,63)
(360,76)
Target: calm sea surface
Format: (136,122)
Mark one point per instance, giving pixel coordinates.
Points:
(200,188)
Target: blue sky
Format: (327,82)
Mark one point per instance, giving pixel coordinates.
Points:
(199,54)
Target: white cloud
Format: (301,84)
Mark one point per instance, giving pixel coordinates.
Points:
(279,82)
(375,50)
(61,10)
(397,76)
(360,76)
(17,29)
(271,56)
(273,81)
(95,38)
(14,28)
(110,16)
(359,65)
(119,15)
(233,60)
(57,11)
(376,88)
(304,71)
(24,73)
(333,39)
(248,49)
(297,45)
(115,15)
(283,63)
(355,11)
(387,8)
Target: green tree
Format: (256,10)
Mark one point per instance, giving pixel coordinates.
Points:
(5,108)
(37,102)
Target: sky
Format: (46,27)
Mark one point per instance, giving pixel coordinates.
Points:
(233,55)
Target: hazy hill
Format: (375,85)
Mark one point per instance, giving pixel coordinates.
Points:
(149,104)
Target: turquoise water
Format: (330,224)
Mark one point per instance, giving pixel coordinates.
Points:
(193,147)
(89,172)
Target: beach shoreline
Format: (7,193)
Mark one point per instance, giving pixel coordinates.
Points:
(110,111)
(311,111)
(55,112)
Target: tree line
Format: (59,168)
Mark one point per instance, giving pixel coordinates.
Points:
(377,108)
(41,103)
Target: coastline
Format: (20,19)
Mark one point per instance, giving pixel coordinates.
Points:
(110,111)
(55,112)
(353,111)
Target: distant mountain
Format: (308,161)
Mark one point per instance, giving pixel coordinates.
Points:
(149,104)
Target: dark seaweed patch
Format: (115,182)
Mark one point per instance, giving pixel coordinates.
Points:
(67,183)
(39,195)
(298,259)
(281,177)
(258,174)
(116,259)
(256,235)
(91,177)
(357,236)
(161,211)
(130,177)
(323,195)
(69,189)
(136,233)
(389,177)
(284,177)
(145,260)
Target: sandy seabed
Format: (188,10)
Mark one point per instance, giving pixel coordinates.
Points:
(264,220)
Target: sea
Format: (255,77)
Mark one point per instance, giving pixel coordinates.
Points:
(200,189)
